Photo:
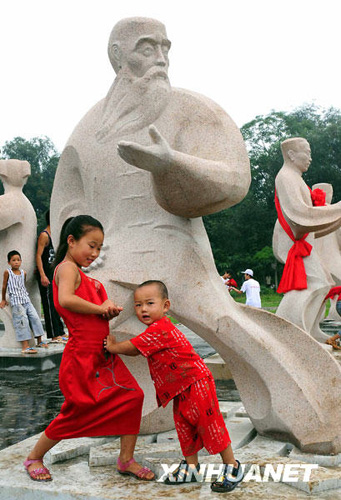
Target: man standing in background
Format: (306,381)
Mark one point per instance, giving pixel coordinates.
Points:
(252,289)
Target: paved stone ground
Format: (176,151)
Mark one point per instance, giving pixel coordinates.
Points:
(84,469)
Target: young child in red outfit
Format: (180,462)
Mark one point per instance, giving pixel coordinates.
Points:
(180,374)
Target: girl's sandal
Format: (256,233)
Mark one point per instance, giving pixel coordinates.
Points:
(34,473)
(184,474)
(141,474)
(229,478)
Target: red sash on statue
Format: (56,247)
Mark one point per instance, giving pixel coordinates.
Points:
(294,276)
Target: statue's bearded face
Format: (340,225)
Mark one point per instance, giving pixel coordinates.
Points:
(145,65)
(148,51)
(141,90)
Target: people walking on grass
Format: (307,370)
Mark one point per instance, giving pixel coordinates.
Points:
(251,288)
(24,315)
(179,374)
(102,398)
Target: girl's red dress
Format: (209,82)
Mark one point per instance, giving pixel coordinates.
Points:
(101,395)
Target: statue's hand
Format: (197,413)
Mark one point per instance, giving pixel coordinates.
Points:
(153,158)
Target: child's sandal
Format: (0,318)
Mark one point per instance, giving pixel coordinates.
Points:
(34,473)
(229,478)
(43,344)
(29,350)
(141,474)
(183,474)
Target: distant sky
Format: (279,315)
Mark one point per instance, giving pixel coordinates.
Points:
(250,56)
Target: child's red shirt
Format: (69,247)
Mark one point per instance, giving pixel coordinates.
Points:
(173,363)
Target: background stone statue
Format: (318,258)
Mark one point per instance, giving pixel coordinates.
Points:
(303,307)
(18,231)
(148,161)
(329,249)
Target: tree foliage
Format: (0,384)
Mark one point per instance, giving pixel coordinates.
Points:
(240,234)
(42,155)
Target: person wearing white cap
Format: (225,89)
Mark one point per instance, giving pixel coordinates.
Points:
(252,289)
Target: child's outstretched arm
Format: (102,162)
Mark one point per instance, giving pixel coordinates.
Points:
(125,347)
(4,302)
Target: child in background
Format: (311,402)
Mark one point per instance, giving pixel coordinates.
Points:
(228,279)
(24,314)
(180,374)
(102,398)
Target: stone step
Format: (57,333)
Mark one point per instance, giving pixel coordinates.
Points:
(12,360)
(218,367)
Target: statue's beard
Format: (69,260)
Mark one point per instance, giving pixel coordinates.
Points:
(133,103)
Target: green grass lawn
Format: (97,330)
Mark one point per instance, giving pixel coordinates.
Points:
(269,298)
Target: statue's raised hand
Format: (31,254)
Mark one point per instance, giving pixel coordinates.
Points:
(153,158)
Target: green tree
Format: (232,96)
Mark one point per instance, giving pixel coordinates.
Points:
(42,155)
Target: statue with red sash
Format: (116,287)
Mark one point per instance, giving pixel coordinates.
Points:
(303,215)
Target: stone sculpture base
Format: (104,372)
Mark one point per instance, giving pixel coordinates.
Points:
(73,461)
(7,335)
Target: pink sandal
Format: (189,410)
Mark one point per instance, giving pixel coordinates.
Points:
(36,472)
(140,474)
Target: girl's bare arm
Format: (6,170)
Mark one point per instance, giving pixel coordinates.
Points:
(68,280)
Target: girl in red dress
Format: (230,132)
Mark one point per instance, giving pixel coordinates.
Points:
(102,398)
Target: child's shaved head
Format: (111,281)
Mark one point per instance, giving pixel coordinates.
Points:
(161,286)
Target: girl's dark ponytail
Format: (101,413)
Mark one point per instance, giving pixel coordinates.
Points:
(63,245)
(76,226)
